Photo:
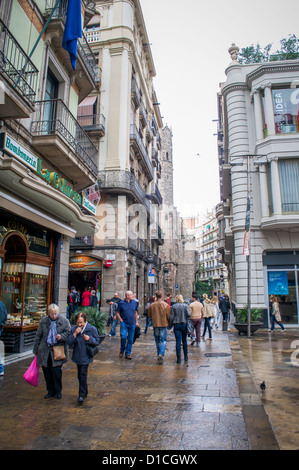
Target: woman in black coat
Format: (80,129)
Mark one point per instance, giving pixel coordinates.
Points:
(81,338)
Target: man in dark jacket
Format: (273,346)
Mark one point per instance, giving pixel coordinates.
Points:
(224,306)
(3,318)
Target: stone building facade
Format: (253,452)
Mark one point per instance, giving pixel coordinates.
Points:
(178,256)
(259,159)
(130,236)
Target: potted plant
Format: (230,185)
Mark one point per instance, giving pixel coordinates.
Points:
(242,316)
(95,317)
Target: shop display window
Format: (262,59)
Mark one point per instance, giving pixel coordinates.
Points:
(24,293)
(286,110)
(12,292)
(35,299)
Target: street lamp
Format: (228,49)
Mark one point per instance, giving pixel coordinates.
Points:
(246,245)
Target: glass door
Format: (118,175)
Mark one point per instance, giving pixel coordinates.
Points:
(49,111)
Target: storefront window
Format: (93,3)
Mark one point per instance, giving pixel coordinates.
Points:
(36,286)
(289,177)
(12,292)
(27,313)
(286,110)
(283,285)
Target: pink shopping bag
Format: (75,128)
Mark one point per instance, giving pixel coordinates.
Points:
(32,373)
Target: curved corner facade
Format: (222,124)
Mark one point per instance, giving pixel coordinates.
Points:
(259,157)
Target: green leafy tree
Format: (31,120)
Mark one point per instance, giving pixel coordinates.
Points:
(289,50)
(253,54)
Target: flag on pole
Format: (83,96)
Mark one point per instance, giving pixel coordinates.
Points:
(72,30)
(247,229)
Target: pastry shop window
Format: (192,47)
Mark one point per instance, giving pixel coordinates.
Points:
(24,293)
(35,299)
(25,282)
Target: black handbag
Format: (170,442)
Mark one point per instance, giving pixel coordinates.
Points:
(92,350)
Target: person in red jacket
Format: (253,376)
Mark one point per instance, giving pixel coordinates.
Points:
(86,297)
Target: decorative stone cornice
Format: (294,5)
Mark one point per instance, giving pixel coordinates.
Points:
(233,87)
(264,68)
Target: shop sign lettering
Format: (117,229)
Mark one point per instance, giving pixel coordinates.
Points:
(12,147)
(19,152)
(37,240)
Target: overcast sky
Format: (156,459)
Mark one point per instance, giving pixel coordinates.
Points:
(190,41)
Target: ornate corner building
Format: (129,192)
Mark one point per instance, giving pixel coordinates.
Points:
(258,141)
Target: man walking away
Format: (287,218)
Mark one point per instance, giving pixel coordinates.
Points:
(127,312)
(224,306)
(196,309)
(159,312)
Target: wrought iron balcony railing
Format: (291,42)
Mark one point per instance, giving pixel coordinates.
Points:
(123,181)
(16,66)
(83,47)
(135,137)
(52,117)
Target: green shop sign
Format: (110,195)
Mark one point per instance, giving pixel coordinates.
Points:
(13,148)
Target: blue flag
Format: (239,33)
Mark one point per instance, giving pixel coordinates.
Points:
(72,30)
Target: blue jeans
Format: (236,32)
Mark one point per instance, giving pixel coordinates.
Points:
(126,337)
(207,326)
(160,335)
(180,332)
(148,323)
(114,324)
(273,320)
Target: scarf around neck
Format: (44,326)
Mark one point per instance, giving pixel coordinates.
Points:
(52,332)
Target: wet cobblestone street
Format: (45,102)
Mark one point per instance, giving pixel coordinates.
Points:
(214,403)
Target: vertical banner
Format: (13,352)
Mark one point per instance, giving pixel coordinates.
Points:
(247,229)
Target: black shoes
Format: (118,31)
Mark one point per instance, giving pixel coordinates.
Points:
(49,395)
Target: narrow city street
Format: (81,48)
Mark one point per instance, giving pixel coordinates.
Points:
(214,403)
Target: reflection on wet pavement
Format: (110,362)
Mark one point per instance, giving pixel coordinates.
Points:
(142,405)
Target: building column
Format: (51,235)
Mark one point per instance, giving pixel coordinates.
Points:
(275,187)
(269,111)
(264,194)
(258,114)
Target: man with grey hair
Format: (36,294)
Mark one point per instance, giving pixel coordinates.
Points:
(127,313)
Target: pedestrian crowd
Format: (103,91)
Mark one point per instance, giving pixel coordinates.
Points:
(55,333)
(89,298)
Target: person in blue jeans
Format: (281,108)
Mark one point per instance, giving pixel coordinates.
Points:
(178,319)
(159,313)
(127,312)
(112,313)
(3,318)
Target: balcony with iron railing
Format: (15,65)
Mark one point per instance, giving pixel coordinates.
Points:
(139,147)
(93,124)
(88,72)
(19,75)
(59,137)
(155,194)
(135,93)
(123,182)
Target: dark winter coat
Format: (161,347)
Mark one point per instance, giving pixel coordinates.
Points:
(80,351)
(41,347)
(224,305)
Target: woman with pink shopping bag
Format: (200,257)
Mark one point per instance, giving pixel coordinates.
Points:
(32,373)
(51,349)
